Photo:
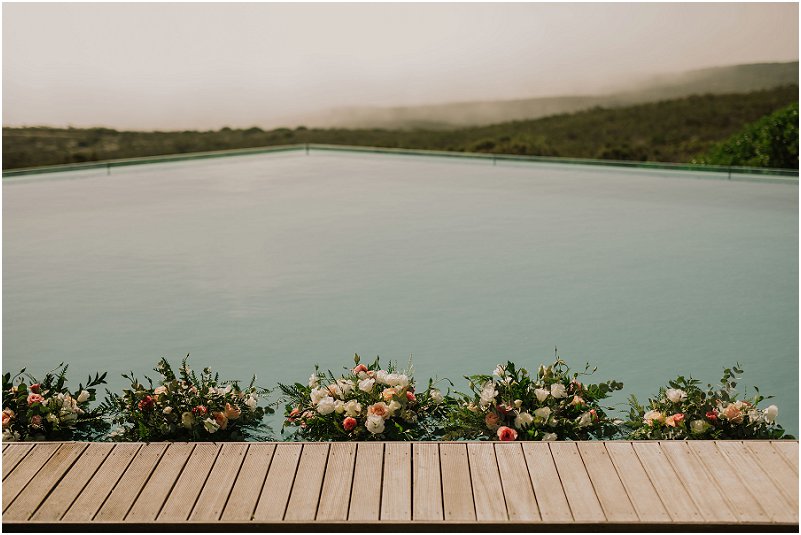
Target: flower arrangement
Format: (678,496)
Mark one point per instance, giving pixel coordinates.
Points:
(46,409)
(365,403)
(511,404)
(684,410)
(186,406)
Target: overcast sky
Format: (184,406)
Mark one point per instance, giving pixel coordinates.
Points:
(182,66)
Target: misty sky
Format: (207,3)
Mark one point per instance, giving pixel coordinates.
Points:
(204,66)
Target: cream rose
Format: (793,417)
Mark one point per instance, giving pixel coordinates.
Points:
(326,405)
(558,390)
(523,419)
(375,424)
(771,413)
(675,395)
(542,394)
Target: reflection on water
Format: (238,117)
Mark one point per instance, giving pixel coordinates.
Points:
(270,264)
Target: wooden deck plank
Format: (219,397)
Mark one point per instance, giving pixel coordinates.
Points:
(278,484)
(680,505)
(396,487)
(779,470)
(486,480)
(181,499)
(148,505)
(639,488)
(548,491)
(335,496)
(608,487)
(365,496)
(789,450)
(576,483)
(27,501)
(73,483)
(427,482)
(130,484)
(457,489)
(217,488)
(94,494)
(249,482)
(12,455)
(745,504)
(763,489)
(26,470)
(699,484)
(518,492)
(305,496)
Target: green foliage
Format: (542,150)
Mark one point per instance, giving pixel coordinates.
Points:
(675,130)
(769,142)
(552,405)
(46,409)
(186,406)
(684,410)
(364,403)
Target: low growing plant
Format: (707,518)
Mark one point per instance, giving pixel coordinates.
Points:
(685,410)
(186,406)
(512,404)
(364,403)
(45,409)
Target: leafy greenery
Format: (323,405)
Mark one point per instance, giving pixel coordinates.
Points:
(675,130)
(769,142)
(186,406)
(551,405)
(687,411)
(45,409)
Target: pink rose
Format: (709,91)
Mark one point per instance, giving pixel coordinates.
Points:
(349,423)
(8,414)
(733,414)
(712,416)
(147,403)
(36,420)
(34,398)
(595,415)
(507,434)
(35,388)
(201,410)
(410,396)
(232,413)
(221,420)
(388,393)
(379,409)
(577,400)
(358,369)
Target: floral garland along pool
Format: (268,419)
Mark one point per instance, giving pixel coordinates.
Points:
(371,402)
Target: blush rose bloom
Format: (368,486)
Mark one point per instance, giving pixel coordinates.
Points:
(491,419)
(349,423)
(8,415)
(35,388)
(379,409)
(733,414)
(506,434)
(232,413)
(34,398)
(358,369)
(221,419)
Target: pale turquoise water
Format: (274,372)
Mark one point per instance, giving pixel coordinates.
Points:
(272,263)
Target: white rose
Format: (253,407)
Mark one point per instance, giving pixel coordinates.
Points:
(339,406)
(771,413)
(488,394)
(252,402)
(344,387)
(314,381)
(518,403)
(317,394)
(366,385)
(326,405)
(187,420)
(523,419)
(83,396)
(499,371)
(381,376)
(52,418)
(543,412)
(436,396)
(653,416)
(375,424)
(675,395)
(558,390)
(393,406)
(210,425)
(698,426)
(167,410)
(353,408)
(541,394)
(585,419)
(549,436)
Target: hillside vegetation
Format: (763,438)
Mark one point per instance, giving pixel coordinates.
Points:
(678,130)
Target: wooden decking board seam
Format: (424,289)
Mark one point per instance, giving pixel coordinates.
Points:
(22,458)
(561,484)
(205,480)
(771,474)
(531,483)
(231,490)
(322,481)
(623,484)
(381,484)
(352,479)
(500,480)
(22,489)
(593,485)
(111,491)
(144,484)
(292,486)
(55,484)
(261,489)
(470,479)
(167,496)
(675,478)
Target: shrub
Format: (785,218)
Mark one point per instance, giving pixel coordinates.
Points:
(684,410)
(552,405)
(45,409)
(186,406)
(365,403)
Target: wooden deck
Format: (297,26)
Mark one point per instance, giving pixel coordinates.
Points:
(534,485)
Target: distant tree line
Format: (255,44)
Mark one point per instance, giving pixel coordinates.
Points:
(682,130)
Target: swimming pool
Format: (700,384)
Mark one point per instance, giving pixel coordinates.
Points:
(272,263)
